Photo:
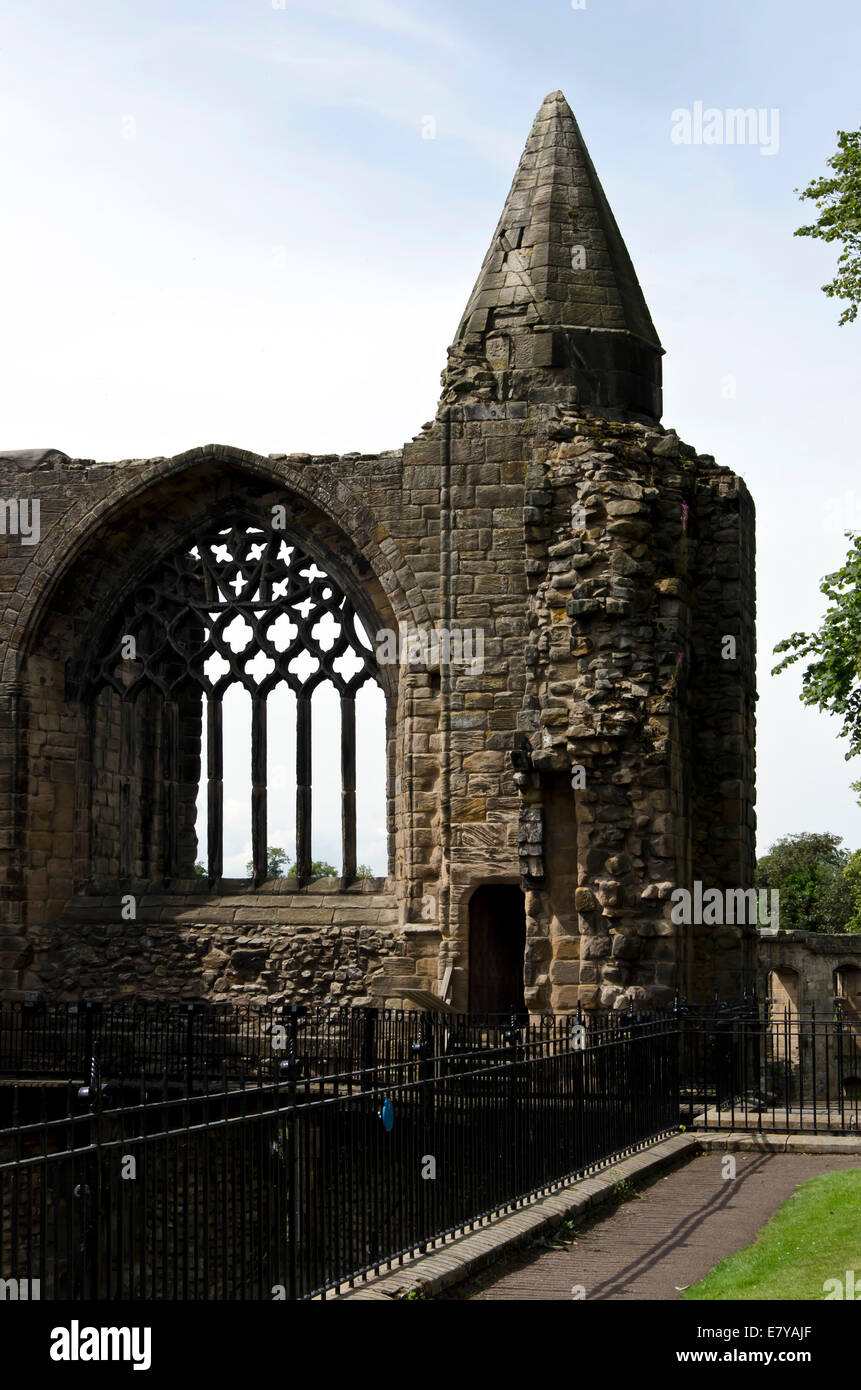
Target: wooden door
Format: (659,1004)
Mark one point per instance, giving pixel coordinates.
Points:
(497,941)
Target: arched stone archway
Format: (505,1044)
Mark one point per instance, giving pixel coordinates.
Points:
(148,489)
(64,644)
(78,580)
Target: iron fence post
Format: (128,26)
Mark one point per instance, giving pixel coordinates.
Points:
(292,1158)
(88,1031)
(88,1192)
(189,1043)
(838,1020)
(369,1045)
(813,1070)
(510,1038)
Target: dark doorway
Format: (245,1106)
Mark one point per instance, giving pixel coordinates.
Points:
(497,941)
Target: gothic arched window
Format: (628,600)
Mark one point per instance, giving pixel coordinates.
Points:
(241,604)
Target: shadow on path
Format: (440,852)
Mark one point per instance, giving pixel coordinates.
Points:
(682,1231)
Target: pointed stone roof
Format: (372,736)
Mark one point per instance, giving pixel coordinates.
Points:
(558,271)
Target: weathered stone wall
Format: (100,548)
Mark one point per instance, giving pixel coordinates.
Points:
(323,945)
(624,656)
(813,957)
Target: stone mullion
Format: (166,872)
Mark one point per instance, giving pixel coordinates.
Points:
(303,787)
(128,800)
(258,786)
(170,746)
(348,788)
(214,787)
(87,809)
(147,757)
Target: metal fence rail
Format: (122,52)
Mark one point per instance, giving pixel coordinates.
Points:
(205,1040)
(757,1067)
(290,1189)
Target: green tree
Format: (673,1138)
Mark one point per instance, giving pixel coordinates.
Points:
(809,870)
(832,680)
(277,862)
(852,875)
(838,202)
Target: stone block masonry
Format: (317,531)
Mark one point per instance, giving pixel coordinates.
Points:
(599,755)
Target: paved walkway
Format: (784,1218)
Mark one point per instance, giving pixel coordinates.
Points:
(669,1238)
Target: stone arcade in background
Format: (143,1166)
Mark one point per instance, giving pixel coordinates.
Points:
(542,804)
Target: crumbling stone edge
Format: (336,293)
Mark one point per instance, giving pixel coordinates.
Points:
(454,1261)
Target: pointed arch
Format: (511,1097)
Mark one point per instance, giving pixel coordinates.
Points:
(136,491)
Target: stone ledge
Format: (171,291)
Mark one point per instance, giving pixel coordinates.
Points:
(741,1141)
(455,1260)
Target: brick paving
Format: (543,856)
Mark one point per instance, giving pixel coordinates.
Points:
(667,1239)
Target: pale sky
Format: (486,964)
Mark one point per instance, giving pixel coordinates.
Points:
(223,221)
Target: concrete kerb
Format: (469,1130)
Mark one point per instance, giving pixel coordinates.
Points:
(456,1260)
(741,1141)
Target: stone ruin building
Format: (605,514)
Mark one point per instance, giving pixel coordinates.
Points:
(542,802)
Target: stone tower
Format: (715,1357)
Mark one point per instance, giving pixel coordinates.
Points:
(574,743)
(557,313)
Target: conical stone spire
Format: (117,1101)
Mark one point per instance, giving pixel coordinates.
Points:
(557,313)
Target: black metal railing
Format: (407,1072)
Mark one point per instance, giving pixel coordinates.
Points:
(199,1040)
(756,1066)
(292,1188)
(47,1039)
(282,1153)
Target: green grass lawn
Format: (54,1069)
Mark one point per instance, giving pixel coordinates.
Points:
(814,1236)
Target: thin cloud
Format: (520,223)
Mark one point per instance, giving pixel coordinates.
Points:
(385,17)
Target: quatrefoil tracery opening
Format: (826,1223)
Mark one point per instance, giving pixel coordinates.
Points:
(239,605)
